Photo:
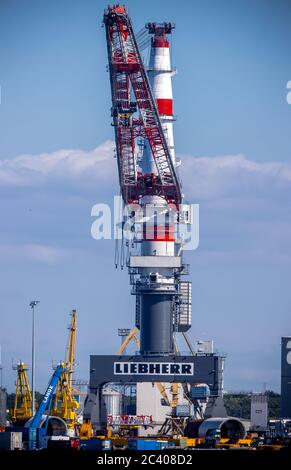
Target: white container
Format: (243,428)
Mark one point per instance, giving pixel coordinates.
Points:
(113,401)
(10,440)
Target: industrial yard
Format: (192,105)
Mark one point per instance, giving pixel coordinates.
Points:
(162,391)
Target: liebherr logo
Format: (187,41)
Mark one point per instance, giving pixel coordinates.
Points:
(153,368)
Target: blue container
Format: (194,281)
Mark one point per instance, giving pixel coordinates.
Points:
(90,444)
(171,444)
(131,444)
(163,444)
(151,445)
(32,439)
(201,391)
(146,444)
(42,440)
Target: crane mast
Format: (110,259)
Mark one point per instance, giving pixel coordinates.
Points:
(150,187)
(71,349)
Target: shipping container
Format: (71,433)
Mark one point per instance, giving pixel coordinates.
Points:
(91,444)
(146,444)
(183,410)
(22,429)
(11,441)
(200,391)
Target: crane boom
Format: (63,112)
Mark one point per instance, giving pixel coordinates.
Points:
(70,353)
(65,405)
(46,399)
(127,75)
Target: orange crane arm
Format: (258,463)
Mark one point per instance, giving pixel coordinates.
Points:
(132,336)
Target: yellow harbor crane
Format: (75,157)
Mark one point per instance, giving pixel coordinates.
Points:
(22,410)
(65,405)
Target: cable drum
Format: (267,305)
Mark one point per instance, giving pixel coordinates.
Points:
(55,427)
(230,428)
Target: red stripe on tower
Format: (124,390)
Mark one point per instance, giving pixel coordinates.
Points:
(156,233)
(160,41)
(165,106)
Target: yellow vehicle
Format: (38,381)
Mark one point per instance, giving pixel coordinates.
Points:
(194,442)
(240,443)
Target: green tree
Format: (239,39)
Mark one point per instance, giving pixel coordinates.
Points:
(239,405)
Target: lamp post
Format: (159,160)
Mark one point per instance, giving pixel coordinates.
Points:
(32,305)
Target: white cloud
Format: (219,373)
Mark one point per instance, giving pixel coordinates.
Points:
(26,170)
(44,254)
(245,209)
(33,252)
(207,178)
(203,177)
(246,204)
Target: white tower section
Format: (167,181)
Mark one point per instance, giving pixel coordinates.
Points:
(160,294)
(160,76)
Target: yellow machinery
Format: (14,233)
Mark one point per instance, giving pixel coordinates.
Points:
(22,410)
(65,405)
(133,336)
(86,430)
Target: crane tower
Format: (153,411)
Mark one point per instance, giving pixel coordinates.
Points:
(154,214)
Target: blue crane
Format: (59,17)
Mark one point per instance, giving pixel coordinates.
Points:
(44,405)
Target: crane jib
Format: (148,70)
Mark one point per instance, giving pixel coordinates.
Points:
(129,80)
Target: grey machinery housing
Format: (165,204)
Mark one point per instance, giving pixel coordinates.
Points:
(144,368)
(286,377)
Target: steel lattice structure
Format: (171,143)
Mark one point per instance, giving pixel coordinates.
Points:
(129,79)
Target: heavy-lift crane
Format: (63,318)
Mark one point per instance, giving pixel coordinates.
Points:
(158,189)
(22,409)
(150,190)
(65,405)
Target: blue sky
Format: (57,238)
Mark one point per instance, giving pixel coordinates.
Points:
(233,135)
